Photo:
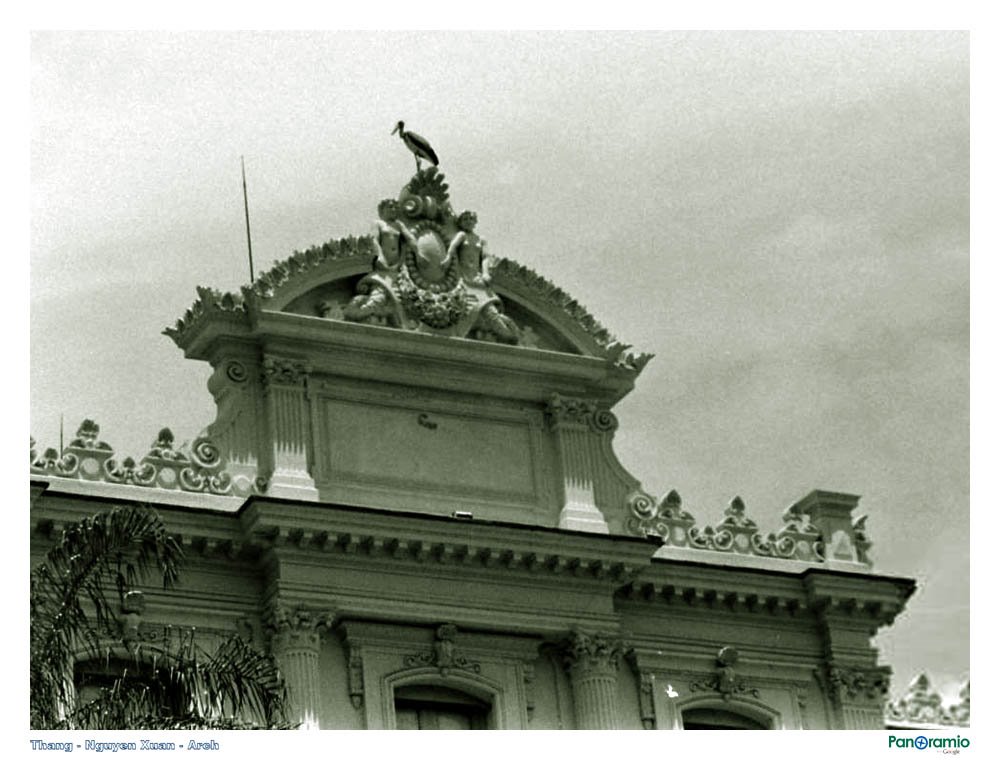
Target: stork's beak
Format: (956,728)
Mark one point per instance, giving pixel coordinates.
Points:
(395,130)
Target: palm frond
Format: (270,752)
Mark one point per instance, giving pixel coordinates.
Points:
(170,683)
(111,550)
(181,685)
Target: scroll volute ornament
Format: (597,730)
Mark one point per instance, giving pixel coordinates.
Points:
(567,411)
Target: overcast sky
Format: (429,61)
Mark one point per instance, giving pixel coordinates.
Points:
(782,219)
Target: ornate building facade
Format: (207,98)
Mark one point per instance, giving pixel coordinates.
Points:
(409,497)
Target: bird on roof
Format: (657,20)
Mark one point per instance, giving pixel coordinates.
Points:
(417,145)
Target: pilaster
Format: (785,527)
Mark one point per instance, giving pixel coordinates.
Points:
(286,400)
(575,424)
(295,643)
(855,684)
(592,662)
(858,694)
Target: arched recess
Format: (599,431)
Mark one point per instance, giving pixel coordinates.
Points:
(736,712)
(476,686)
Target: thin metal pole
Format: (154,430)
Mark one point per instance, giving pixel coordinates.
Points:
(246,213)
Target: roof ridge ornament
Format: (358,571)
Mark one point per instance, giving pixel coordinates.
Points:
(425,268)
(735,533)
(922,704)
(432,270)
(197,467)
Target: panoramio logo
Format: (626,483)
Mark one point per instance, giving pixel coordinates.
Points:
(922,742)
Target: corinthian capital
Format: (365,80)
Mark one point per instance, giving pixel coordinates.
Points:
(275,370)
(566,411)
(592,653)
(858,684)
(297,625)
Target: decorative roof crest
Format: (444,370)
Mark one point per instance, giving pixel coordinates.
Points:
(735,533)
(922,704)
(428,270)
(196,468)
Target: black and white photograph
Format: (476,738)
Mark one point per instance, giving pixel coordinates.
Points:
(515,380)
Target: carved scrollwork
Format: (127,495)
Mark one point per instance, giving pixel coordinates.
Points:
(237,371)
(667,519)
(281,371)
(430,273)
(163,447)
(129,472)
(603,421)
(735,515)
(735,533)
(641,505)
(50,462)
(443,655)
(355,677)
(196,468)
(647,706)
(725,680)
(858,683)
(205,453)
(563,411)
(87,437)
(601,653)
(296,626)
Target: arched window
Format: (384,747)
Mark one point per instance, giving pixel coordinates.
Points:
(430,707)
(712,718)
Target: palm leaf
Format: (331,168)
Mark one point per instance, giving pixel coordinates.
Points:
(70,606)
(172,683)
(184,687)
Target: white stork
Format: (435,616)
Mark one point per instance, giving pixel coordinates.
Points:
(417,145)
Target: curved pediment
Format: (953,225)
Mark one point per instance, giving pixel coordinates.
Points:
(423,269)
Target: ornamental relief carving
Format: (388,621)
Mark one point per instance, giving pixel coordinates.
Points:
(735,533)
(196,467)
(355,676)
(432,272)
(858,684)
(565,411)
(922,704)
(296,625)
(237,372)
(647,702)
(275,371)
(443,655)
(586,653)
(725,680)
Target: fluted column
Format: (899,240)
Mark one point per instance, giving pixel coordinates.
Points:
(295,643)
(575,424)
(287,402)
(592,662)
